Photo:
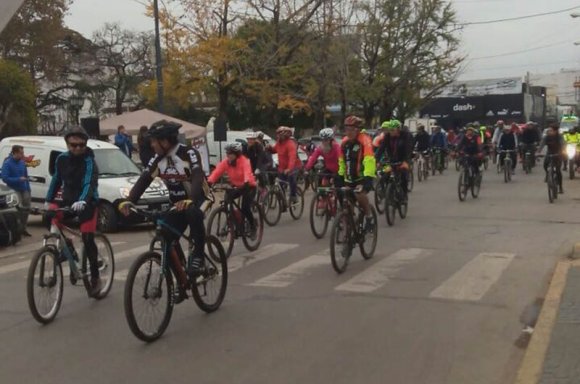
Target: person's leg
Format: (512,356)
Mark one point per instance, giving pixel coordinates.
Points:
(293,184)
(558,161)
(501,158)
(248,197)
(25,205)
(514,157)
(88,226)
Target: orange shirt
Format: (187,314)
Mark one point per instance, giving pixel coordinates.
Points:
(239,174)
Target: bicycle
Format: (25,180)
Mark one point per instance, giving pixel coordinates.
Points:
(552,181)
(422,169)
(158,270)
(395,197)
(438,161)
(346,232)
(276,201)
(507,164)
(227,223)
(45,271)
(381,183)
(469,179)
(529,160)
(323,207)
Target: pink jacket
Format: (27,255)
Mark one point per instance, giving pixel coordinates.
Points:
(330,158)
(239,174)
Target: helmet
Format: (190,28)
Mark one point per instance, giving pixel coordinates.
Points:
(235,147)
(284,132)
(164,129)
(353,121)
(253,135)
(76,131)
(386,124)
(395,124)
(469,128)
(500,122)
(326,134)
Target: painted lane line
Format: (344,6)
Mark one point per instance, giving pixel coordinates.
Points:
(289,275)
(241,261)
(475,278)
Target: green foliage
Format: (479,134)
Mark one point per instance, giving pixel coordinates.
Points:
(17,94)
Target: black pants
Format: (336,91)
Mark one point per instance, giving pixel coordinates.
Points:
(192,216)
(248,194)
(558,162)
(513,156)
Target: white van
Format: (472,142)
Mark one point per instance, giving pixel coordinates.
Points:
(117,174)
(214,146)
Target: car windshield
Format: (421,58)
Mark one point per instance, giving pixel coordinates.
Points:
(113,163)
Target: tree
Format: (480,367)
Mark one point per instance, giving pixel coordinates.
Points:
(17,113)
(125,59)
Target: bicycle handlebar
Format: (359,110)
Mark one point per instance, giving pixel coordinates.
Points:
(40,211)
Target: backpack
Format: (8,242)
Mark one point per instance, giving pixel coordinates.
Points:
(10,233)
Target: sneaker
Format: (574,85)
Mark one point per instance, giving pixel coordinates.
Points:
(96,286)
(196,266)
(179,296)
(294,200)
(253,232)
(369,224)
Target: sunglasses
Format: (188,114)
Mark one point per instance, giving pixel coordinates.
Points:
(77,145)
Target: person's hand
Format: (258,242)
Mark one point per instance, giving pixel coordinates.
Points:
(23,178)
(182,205)
(405,166)
(257,172)
(79,206)
(125,208)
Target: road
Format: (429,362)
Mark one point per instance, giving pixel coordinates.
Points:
(444,300)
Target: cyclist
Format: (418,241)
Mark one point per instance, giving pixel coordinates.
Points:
(330,151)
(396,146)
(571,138)
(76,174)
(180,167)
(258,157)
(288,161)
(357,164)
(508,141)
(530,140)
(471,146)
(499,127)
(555,144)
(423,143)
(240,175)
(439,140)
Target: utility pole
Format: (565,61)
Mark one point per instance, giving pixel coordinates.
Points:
(158,63)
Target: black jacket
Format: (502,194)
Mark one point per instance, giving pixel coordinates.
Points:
(77,175)
(258,157)
(398,149)
(422,142)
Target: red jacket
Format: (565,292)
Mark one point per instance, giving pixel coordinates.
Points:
(287,155)
(239,174)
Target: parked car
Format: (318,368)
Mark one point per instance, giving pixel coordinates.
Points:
(117,174)
(9,217)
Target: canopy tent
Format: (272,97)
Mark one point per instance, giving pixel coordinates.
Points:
(7,9)
(132,121)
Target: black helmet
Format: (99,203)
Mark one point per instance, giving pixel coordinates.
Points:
(76,131)
(164,129)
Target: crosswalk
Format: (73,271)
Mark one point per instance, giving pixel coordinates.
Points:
(468,281)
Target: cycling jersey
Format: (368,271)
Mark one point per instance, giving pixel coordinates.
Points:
(471,147)
(330,158)
(287,155)
(357,159)
(572,138)
(78,176)
(181,171)
(258,157)
(555,144)
(439,140)
(508,141)
(422,142)
(397,148)
(239,174)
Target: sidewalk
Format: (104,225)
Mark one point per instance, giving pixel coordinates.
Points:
(27,244)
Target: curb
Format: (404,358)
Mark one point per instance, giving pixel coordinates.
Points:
(531,368)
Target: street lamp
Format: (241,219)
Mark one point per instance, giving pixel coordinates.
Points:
(575,15)
(76,102)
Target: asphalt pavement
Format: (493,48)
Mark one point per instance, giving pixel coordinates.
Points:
(444,300)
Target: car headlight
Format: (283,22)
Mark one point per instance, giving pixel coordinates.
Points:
(12,200)
(124,192)
(571,151)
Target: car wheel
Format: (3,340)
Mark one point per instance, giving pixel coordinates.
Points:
(108,222)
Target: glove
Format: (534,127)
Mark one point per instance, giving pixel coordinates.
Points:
(79,206)
(257,172)
(46,206)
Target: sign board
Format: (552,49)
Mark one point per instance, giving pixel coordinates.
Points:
(577,84)
(504,86)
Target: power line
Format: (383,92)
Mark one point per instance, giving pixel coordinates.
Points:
(522,51)
(530,65)
(519,17)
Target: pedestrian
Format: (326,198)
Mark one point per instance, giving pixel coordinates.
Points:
(144,143)
(123,141)
(15,175)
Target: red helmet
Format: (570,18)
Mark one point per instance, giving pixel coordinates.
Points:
(284,132)
(353,121)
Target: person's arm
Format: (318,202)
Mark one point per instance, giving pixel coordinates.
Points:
(198,180)
(542,144)
(341,163)
(56,181)
(217,172)
(381,151)
(151,171)
(312,159)
(369,161)
(7,177)
(90,180)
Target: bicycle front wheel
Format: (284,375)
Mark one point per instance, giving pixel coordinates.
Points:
(44,286)
(390,205)
(550,185)
(340,242)
(148,302)
(420,171)
(272,207)
(106,262)
(461,187)
(220,225)
(319,215)
(209,289)
(297,208)
(252,240)
(368,242)
(411,180)
(380,195)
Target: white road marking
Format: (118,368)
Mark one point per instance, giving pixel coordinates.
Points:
(292,273)
(476,277)
(32,248)
(378,274)
(241,261)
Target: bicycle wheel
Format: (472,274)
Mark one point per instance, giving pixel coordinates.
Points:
(44,286)
(209,289)
(410,180)
(403,208)
(486,163)
(340,242)
(390,205)
(571,169)
(272,208)
(148,297)
(446,162)
(380,194)
(252,241)
(506,170)
(476,186)
(420,171)
(319,215)
(297,208)
(106,262)
(550,185)
(368,241)
(461,188)
(435,164)
(221,226)
(457,165)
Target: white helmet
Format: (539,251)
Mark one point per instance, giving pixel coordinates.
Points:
(326,134)
(253,135)
(235,147)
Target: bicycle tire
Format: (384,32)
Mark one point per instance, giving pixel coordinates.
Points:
(457,165)
(216,251)
(461,190)
(411,180)
(223,229)
(486,163)
(166,291)
(315,212)
(297,209)
(252,245)
(104,264)
(571,171)
(272,205)
(549,183)
(476,186)
(506,170)
(369,253)
(341,236)
(390,205)
(380,195)
(39,315)
(403,208)
(419,171)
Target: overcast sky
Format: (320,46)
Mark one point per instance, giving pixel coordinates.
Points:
(539,45)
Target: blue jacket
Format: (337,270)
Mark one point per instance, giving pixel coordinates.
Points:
(439,140)
(12,171)
(124,142)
